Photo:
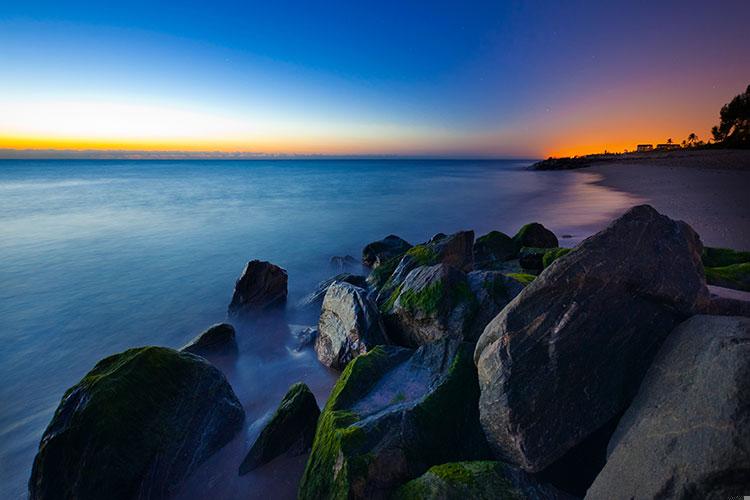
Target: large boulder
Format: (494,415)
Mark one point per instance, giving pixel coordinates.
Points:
(290,431)
(687,433)
(349,325)
(583,333)
(479,480)
(378,252)
(455,250)
(315,298)
(535,235)
(492,249)
(394,413)
(217,340)
(433,302)
(262,285)
(135,427)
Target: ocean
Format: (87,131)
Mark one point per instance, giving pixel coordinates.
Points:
(100,256)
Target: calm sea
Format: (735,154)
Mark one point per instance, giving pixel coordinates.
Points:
(100,256)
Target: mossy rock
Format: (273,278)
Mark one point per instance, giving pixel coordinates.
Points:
(217,340)
(290,431)
(376,253)
(523,278)
(432,302)
(722,257)
(480,480)
(535,235)
(135,427)
(493,248)
(492,291)
(379,275)
(393,413)
(532,258)
(735,276)
(552,255)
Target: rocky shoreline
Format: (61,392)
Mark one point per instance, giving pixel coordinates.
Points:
(496,367)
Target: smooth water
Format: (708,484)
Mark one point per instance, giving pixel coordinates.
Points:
(100,256)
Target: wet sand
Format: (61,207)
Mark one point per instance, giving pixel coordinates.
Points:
(710,190)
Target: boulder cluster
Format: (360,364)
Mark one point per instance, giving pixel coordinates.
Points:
(501,367)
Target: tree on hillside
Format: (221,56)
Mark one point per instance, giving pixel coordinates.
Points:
(734,127)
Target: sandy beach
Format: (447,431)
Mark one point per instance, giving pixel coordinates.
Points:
(710,190)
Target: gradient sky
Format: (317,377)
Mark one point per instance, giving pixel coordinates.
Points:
(503,79)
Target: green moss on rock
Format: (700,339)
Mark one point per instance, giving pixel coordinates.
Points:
(522,277)
(423,255)
(379,276)
(736,276)
(722,257)
(462,480)
(552,255)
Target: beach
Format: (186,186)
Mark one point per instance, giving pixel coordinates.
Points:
(710,190)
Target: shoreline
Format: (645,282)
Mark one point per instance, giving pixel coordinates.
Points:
(707,189)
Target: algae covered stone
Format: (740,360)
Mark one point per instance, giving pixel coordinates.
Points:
(290,430)
(479,480)
(552,255)
(721,257)
(135,427)
(493,248)
(394,413)
(217,340)
(376,253)
(535,235)
(736,276)
(433,302)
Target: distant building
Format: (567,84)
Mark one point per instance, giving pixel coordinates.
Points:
(644,147)
(667,146)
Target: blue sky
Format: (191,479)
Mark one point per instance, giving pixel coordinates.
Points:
(404,78)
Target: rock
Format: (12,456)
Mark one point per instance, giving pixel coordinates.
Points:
(394,413)
(477,480)
(721,257)
(349,325)
(290,431)
(553,254)
(304,336)
(532,259)
(535,235)
(687,433)
(584,333)
(735,276)
(725,306)
(492,291)
(523,278)
(377,252)
(345,264)
(135,426)
(455,250)
(217,340)
(433,302)
(492,249)
(315,299)
(261,286)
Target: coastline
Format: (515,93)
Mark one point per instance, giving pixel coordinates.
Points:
(707,189)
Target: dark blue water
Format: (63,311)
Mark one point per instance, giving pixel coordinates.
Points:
(100,256)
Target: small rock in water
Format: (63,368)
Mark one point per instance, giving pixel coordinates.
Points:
(217,340)
(349,325)
(262,286)
(290,431)
(305,336)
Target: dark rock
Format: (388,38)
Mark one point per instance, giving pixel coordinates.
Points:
(477,480)
(345,264)
(217,340)
(380,251)
(433,302)
(492,291)
(532,259)
(566,236)
(290,431)
(315,299)
(722,257)
(535,235)
(393,413)
(349,325)
(261,286)
(687,433)
(455,250)
(492,249)
(584,332)
(135,426)
(725,306)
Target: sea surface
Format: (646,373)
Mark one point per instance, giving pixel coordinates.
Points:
(100,256)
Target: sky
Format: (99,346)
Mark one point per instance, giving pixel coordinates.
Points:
(396,78)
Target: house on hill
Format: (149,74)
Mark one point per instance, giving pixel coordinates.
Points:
(642,148)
